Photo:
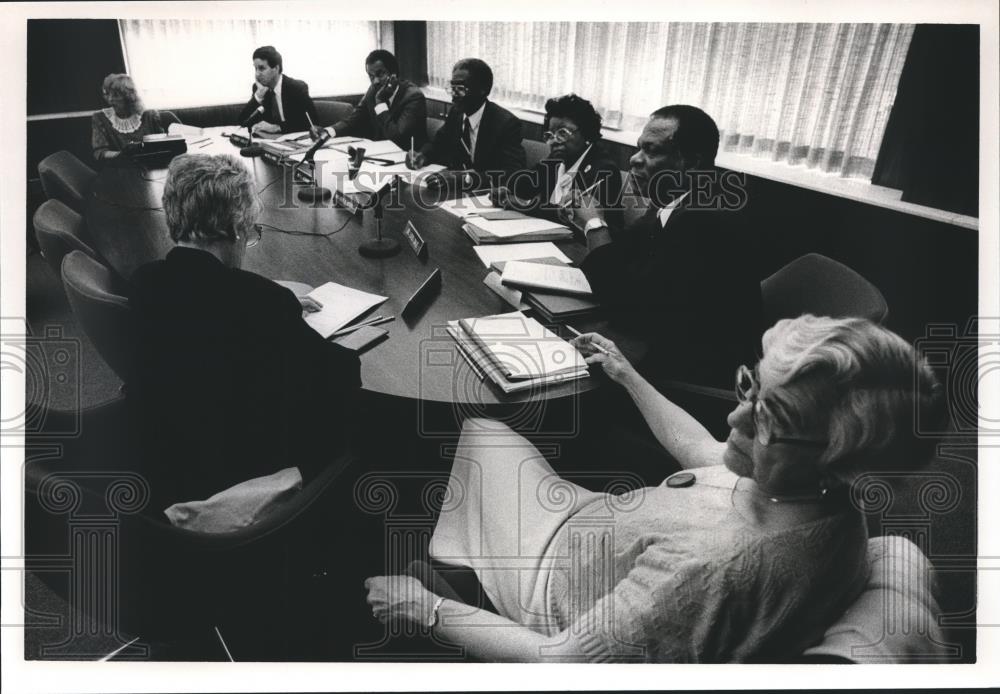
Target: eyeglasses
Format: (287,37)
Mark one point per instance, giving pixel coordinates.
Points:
(747,390)
(458,89)
(560,135)
(254,235)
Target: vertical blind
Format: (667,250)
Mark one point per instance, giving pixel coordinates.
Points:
(177,63)
(812,94)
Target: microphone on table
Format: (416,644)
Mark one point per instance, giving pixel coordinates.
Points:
(313,192)
(252,149)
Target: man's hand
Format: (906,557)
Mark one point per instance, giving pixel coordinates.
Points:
(399,597)
(416,160)
(316,132)
(584,208)
(265,127)
(597,349)
(259,92)
(386,89)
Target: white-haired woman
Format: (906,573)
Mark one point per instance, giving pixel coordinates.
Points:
(749,557)
(229,381)
(122,126)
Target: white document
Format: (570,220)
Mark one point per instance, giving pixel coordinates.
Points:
(386,149)
(504,228)
(467,205)
(558,278)
(518,251)
(181,129)
(509,294)
(304,135)
(411,176)
(341,305)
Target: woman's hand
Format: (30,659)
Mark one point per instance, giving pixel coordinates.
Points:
(598,349)
(399,597)
(309,304)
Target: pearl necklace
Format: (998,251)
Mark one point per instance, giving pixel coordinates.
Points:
(123,125)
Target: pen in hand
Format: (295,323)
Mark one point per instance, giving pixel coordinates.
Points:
(591,342)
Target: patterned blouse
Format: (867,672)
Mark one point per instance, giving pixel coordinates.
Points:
(111,133)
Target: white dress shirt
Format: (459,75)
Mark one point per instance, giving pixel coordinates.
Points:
(664,214)
(474,120)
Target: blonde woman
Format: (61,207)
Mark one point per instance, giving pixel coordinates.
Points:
(121,127)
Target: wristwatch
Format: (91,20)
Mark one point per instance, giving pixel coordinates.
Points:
(433,619)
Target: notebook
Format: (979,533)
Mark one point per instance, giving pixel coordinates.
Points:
(519,251)
(521,347)
(341,305)
(554,278)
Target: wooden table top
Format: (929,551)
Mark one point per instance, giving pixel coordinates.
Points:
(419,360)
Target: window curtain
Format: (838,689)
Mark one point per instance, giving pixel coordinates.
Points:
(180,63)
(817,95)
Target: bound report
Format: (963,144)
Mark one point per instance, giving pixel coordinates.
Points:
(521,347)
(341,305)
(554,278)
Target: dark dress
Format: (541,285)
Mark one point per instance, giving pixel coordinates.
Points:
(104,136)
(229,382)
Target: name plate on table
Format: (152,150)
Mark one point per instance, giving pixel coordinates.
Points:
(239,140)
(349,202)
(414,238)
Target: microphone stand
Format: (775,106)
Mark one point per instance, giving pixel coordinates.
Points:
(252,149)
(312,192)
(379,247)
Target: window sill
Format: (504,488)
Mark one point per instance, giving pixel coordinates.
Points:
(831,184)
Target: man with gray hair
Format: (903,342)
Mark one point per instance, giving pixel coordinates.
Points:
(230,383)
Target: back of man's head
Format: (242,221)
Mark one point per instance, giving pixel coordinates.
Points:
(270,55)
(697,136)
(479,71)
(386,58)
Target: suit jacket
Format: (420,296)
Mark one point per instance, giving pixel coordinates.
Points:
(498,144)
(536,185)
(295,103)
(230,383)
(691,288)
(406,118)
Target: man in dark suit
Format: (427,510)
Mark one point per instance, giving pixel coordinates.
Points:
(391,109)
(285,100)
(229,382)
(478,137)
(684,274)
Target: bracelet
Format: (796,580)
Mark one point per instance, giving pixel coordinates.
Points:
(433,620)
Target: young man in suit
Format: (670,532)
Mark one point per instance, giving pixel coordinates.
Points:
(391,109)
(478,137)
(684,273)
(285,100)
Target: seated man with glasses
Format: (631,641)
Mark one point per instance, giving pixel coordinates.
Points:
(478,137)
(229,382)
(577,166)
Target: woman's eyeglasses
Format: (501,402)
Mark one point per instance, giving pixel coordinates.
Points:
(560,135)
(747,390)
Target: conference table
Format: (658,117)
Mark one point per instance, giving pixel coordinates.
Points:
(419,360)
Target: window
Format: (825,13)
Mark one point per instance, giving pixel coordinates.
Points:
(178,63)
(811,94)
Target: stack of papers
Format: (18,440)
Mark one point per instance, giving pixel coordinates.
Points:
(516,352)
(514,229)
(467,205)
(519,251)
(341,305)
(559,279)
(551,307)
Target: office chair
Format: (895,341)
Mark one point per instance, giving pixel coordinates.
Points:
(534,151)
(59,231)
(168,583)
(330,112)
(66,178)
(102,311)
(433,125)
(816,284)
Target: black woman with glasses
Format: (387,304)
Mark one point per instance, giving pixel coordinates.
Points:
(479,141)
(577,166)
(229,383)
(748,554)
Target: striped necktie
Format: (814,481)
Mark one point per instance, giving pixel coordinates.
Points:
(467,143)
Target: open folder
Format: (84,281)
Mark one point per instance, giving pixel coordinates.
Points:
(341,305)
